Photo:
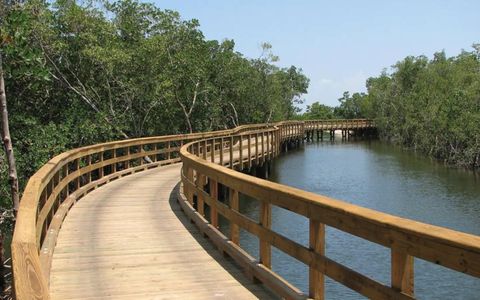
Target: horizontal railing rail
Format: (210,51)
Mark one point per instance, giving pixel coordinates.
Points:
(203,175)
(56,186)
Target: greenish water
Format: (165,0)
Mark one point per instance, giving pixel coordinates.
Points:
(385,178)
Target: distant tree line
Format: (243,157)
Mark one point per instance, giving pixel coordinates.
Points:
(429,105)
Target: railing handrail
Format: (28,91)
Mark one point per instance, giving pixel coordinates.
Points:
(406,238)
(52,180)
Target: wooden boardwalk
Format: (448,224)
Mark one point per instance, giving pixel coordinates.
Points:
(129,240)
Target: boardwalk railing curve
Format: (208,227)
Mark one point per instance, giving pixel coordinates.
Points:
(66,178)
(210,165)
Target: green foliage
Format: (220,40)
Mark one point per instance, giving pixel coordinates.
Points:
(80,73)
(351,107)
(431,105)
(318,111)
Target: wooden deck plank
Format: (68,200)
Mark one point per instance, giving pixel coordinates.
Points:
(129,240)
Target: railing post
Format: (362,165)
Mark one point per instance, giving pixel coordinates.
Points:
(168,150)
(114,164)
(231,151)
(263,147)
(269,155)
(256,148)
(189,192)
(266,222)
(200,203)
(249,151)
(221,151)
(205,148)
(402,272)
(127,162)
(213,208)
(317,245)
(89,162)
(100,170)
(240,157)
(212,151)
(77,179)
(234,228)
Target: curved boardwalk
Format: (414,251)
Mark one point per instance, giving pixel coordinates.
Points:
(129,240)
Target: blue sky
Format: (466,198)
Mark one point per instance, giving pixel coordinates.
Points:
(338,44)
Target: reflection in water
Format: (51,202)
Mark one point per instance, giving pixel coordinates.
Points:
(385,178)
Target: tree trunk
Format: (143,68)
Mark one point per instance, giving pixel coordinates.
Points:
(7,143)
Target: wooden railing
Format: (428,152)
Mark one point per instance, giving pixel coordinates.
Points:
(338,124)
(204,172)
(52,191)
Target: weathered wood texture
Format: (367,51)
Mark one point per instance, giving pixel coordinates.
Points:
(129,240)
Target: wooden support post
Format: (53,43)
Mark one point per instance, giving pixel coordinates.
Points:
(168,150)
(205,147)
(317,245)
(77,179)
(114,165)
(263,147)
(200,201)
(269,147)
(212,151)
(213,208)
(256,149)
(266,222)
(402,272)
(231,151)
(100,170)
(234,228)
(127,162)
(189,192)
(249,151)
(221,151)
(89,162)
(240,156)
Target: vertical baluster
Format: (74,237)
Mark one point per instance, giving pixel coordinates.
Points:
(402,272)
(317,245)
(265,221)
(213,208)
(234,228)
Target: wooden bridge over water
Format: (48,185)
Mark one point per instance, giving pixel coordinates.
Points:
(129,220)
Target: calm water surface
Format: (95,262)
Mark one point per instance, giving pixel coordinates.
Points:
(385,178)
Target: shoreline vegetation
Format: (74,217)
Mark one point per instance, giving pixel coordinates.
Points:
(431,106)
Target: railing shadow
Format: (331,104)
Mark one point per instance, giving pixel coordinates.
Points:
(226,263)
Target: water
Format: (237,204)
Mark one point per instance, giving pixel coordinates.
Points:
(385,178)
